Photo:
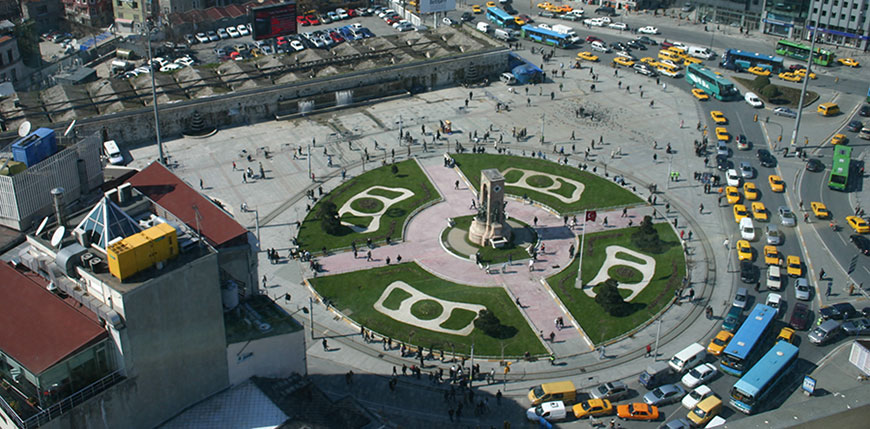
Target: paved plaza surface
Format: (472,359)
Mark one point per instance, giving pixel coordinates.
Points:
(633,138)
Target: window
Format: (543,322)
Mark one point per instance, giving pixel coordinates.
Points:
(135,5)
(824,13)
(836,3)
(9,54)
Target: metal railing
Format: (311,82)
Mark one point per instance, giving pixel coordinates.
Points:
(66,404)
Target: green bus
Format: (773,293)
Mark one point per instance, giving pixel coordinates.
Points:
(839,179)
(711,82)
(799,51)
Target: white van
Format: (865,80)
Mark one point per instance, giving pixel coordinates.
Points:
(700,52)
(508,78)
(747,229)
(688,358)
(599,46)
(502,34)
(113,153)
(774,277)
(753,100)
(483,26)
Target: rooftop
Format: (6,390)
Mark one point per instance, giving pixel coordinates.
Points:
(40,329)
(240,326)
(171,193)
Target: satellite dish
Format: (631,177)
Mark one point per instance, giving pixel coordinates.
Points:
(24,129)
(57,237)
(69,128)
(41,226)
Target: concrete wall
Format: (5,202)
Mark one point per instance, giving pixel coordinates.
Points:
(174,351)
(277,356)
(243,107)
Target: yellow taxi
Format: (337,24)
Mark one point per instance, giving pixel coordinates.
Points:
(758,71)
(771,255)
(858,224)
(593,408)
(649,60)
(623,61)
(553,8)
(820,210)
(803,73)
(838,139)
(520,22)
(848,62)
(690,60)
(789,76)
(732,194)
(750,191)
(776,183)
(588,56)
(490,4)
(722,134)
(476,8)
(544,5)
(718,117)
(740,212)
(759,212)
(744,251)
(719,342)
(786,334)
(793,266)
(699,94)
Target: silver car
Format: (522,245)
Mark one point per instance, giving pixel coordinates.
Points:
(613,391)
(788,217)
(746,170)
(741,298)
(667,394)
(802,289)
(774,236)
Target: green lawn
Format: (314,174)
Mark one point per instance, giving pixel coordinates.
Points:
(788,97)
(410,176)
(512,251)
(355,294)
(599,193)
(600,326)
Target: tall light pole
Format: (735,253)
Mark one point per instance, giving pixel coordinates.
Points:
(797,121)
(160,157)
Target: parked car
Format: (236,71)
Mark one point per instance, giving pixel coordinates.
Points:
(857,327)
(614,391)
(699,375)
(802,289)
(838,311)
(785,111)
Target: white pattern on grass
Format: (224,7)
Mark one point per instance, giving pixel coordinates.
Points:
(522,183)
(647,269)
(403,313)
(376,217)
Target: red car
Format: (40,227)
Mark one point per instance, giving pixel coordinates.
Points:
(666,44)
(301,20)
(351,13)
(795,67)
(590,39)
(281,40)
(312,20)
(336,37)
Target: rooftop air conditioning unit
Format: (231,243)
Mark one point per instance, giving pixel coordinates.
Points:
(96,266)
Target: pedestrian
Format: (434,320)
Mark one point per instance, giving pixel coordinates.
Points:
(828,290)
(727,247)
(369,256)
(675,222)
(244,178)
(325,346)
(701,208)
(395,373)
(531,265)
(498,396)
(807,217)
(535,221)
(456,185)
(648,350)
(517,301)
(450,413)
(625,212)
(388,260)
(758,286)
(822,274)
(605,221)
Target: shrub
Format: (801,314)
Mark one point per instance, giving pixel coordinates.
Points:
(610,300)
(760,82)
(487,322)
(328,215)
(647,237)
(394,169)
(770,91)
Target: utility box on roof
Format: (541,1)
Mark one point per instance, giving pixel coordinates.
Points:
(35,147)
(142,250)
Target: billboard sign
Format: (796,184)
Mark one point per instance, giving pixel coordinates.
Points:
(273,20)
(429,6)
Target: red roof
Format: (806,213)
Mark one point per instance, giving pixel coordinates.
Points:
(216,13)
(167,190)
(235,11)
(38,328)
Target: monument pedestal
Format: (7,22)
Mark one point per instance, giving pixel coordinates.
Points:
(479,232)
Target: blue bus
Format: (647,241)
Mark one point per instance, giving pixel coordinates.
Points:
(711,82)
(547,37)
(748,342)
(735,59)
(501,18)
(750,390)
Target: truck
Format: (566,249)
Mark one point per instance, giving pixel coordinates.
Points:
(701,52)
(564,29)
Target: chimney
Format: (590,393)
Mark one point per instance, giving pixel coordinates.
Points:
(57,197)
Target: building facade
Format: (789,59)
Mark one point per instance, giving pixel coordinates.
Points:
(46,14)
(91,13)
(11,67)
(841,22)
(132,15)
(785,18)
(743,14)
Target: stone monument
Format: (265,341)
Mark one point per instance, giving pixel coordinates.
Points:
(489,225)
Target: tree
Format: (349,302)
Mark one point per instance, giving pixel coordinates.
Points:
(760,82)
(770,92)
(647,237)
(329,219)
(489,323)
(610,300)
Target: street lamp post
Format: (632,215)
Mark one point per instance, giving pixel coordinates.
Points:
(797,121)
(160,157)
